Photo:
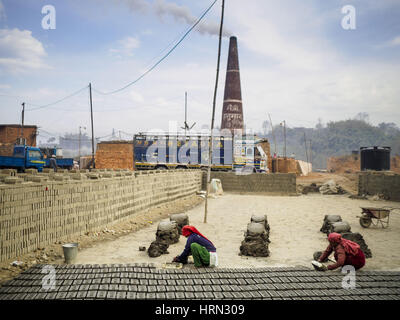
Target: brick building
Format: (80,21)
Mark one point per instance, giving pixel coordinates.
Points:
(10,132)
(114,155)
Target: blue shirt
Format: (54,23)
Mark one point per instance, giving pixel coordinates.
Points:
(194,237)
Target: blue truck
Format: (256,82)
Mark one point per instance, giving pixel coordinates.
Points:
(179,151)
(26,157)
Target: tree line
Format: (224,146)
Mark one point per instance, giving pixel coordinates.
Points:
(336,138)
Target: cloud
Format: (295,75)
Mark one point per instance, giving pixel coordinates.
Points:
(125,47)
(20,51)
(4,86)
(394,42)
(136,96)
(136,5)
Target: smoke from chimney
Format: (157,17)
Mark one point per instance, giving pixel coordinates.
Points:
(181,14)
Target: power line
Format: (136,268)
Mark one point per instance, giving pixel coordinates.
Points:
(163,58)
(55,102)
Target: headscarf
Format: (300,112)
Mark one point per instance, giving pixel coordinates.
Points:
(188,230)
(350,247)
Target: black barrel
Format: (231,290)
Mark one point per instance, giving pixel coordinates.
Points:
(375,158)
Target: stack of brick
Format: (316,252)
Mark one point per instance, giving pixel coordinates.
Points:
(114,155)
(34,214)
(284,165)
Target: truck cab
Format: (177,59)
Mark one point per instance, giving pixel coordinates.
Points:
(32,155)
(23,157)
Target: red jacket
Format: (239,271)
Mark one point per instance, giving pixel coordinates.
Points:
(342,258)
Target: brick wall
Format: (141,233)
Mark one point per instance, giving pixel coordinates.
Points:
(32,217)
(6,149)
(10,133)
(114,155)
(378,182)
(256,182)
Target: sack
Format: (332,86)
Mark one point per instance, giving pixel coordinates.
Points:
(213,259)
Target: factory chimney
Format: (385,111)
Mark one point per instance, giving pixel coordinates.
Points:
(232,110)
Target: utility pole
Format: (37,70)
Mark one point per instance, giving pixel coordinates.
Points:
(91,120)
(213,112)
(273,136)
(185,124)
(22,120)
(284,137)
(79,145)
(272,131)
(310,169)
(305,145)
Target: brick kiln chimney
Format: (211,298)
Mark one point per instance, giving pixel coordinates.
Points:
(232,110)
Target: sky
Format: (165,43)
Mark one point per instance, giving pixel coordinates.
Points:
(297,62)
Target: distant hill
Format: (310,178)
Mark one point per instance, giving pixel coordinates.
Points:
(335,139)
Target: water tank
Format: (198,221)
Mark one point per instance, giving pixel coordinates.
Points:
(375,158)
(59,153)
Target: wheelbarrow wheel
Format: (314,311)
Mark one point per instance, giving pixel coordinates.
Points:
(365,222)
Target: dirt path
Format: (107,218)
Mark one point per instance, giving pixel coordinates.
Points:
(294,221)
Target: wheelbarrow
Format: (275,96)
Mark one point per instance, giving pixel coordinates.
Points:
(375,216)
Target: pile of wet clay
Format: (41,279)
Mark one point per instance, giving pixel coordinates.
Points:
(181,219)
(167,233)
(256,238)
(311,188)
(358,238)
(334,223)
(355,237)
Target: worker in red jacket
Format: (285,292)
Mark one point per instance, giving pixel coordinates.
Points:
(346,252)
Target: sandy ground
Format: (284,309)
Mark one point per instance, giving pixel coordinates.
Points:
(294,220)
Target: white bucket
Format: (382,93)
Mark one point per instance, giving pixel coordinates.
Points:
(213,259)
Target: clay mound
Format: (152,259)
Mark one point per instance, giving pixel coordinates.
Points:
(313,187)
(167,232)
(181,219)
(358,238)
(157,248)
(328,220)
(340,227)
(256,240)
(317,254)
(263,220)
